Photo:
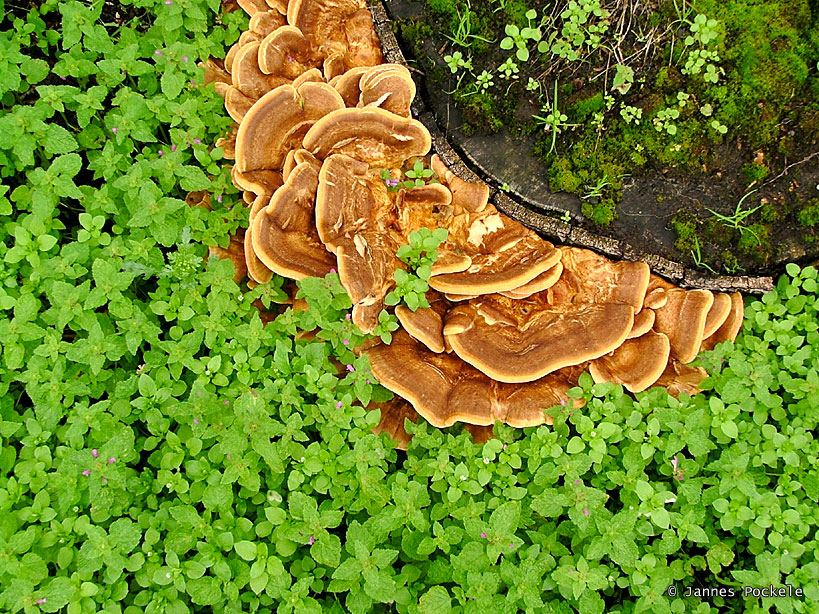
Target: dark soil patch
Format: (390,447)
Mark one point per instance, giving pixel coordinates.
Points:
(657,187)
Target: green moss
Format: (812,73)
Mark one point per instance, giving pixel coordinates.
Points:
(582,110)
(685,226)
(770,213)
(809,215)
(479,110)
(730,261)
(516,12)
(562,177)
(602,213)
(754,172)
(755,242)
(414,34)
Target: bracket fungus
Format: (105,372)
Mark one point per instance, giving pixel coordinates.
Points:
(325,129)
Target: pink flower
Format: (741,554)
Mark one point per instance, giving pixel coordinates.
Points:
(196,420)
(184,58)
(585,512)
(511,545)
(577,481)
(338,405)
(346,342)
(199,393)
(112,460)
(95,453)
(483,535)
(173,148)
(219,198)
(41,600)
(161,153)
(196,141)
(504,446)
(332,271)
(227,456)
(349,316)
(227,402)
(114,129)
(311,540)
(350,368)
(169,2)
(368,381)
(563,401)
(87,472)
(158,52)
(104,480)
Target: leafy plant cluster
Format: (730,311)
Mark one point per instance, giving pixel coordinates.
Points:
(164,451)
(419,256)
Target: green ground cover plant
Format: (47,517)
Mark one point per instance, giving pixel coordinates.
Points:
(163,451)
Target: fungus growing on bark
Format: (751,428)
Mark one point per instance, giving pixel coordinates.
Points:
(730,328)
(444,390)
(682,319)
(643,321)
(426,324)
(278,121)
(348,85)
(636,364)
(265,22)
(284,233)
(472,197)
(286,52)
(372,135)
(389,87)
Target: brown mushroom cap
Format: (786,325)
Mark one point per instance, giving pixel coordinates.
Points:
(717,315)
(284,233)
(333,66)
(248,78)
(279,5)
(544,281)
(422,207)
(215,72)
(256,269)
(682,319)
(444,390)
(251,7)
(426,325)
(287,53)
(504,254)
(523,340)
(372,135)
(353,212)
(363,48)
(472,197)
(265,22)
(322,21)
(257,182)
(643,321)
(236,103)
(591,278)
(636,364)
(313,75)
(392,89)
(729,329)
(348,85)
(678,377)
(277,122)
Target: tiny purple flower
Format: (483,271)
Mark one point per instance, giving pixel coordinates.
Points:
(227,456)
(199,393)
(577,482)
(184,58)
(563,402)
(169,2)
(161,153)
(351,368)
(504,446)
(197,141)
(338,405)
(112,460)
(87,472)
(311,540)
(158,52)
(571,571)
(41,600)
(349,316)
(346,342)
(196,420)
(332,271)
(483,535)
(368,381)
(227,402)
(219,198)
(95,453)
(173,148)
(104,480)
(114,129)
(585,512)
(511,545)
(229,208)
(62,78)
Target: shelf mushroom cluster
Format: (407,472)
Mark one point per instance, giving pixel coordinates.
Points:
(513,319)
